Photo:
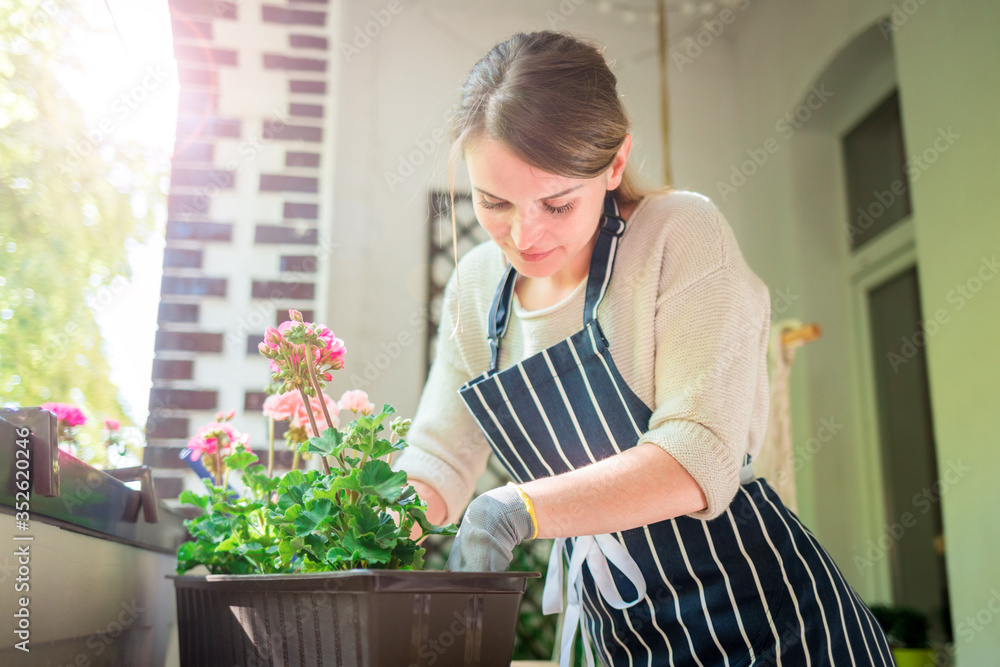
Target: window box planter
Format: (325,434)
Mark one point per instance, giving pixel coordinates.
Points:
(362,618)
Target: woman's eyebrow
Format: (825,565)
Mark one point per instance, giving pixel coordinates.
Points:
(553,196)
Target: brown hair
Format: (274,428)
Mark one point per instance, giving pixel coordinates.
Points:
(552,100)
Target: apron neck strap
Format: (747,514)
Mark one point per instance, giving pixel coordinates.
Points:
(603,259)
(601,264)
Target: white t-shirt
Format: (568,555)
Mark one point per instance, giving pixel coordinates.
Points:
(687,324)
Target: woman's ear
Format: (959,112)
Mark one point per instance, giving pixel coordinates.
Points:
(617,169)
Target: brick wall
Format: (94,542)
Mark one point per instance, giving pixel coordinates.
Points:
(244,212)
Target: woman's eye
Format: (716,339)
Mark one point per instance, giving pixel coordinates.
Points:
(558,210)
(491,205)
(555,210)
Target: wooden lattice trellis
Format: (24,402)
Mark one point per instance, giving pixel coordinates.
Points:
(536,633)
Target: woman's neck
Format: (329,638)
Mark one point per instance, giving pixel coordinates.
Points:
(538,293)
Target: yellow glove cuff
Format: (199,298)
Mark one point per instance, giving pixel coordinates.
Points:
(529,506)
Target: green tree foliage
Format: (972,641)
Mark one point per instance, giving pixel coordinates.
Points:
(69,204)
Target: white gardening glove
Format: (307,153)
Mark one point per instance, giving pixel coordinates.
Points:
(493,525)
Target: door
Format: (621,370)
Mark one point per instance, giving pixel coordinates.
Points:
(913,534)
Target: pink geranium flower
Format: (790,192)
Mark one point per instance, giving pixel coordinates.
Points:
(356,401)
(206,440)
(112,424)
(285,349)
(282,406)
(66,412)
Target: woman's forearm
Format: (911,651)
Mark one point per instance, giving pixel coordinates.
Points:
(642,485)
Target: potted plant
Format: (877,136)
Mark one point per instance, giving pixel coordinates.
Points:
(906,629)
(319,567)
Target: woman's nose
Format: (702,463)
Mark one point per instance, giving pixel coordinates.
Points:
(525,230)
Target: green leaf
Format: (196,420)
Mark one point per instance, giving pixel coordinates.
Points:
(314,518)
(228,544)
(408,553)
(294,489)
(255,477)
(240,460)
(408,496)
(189,497)
(337,555)
(288,516)
(379,479)
(328,442)
(417,514)
(366,548)
(383,447)
(286,552)
(248,548)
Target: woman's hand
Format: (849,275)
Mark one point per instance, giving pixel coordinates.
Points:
(495,523)
(640,486)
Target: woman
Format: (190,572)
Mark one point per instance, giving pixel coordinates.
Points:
(610,348)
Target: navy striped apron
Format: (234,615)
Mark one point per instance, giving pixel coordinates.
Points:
(751,587)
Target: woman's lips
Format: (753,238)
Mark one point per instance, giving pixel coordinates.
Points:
(535,256)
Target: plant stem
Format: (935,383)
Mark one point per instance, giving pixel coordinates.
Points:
(319,390)
(312,422)
(322,400)
(219,444)
(392,439)
(295,460)
(270,446)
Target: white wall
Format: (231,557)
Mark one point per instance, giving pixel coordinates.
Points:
(788,218)
(394,95)
(728,99)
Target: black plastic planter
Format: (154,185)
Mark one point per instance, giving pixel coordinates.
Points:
(359,618)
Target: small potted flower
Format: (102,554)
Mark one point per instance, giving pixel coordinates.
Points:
(906,629)
(68,417)
(319,567)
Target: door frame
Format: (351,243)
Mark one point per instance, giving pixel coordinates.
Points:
(879,260)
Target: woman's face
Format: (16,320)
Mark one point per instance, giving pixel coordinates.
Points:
(545,224)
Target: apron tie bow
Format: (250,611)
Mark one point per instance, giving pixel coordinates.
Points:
(597,551)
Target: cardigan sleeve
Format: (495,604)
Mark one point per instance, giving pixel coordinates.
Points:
(446,449)
(710,350)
